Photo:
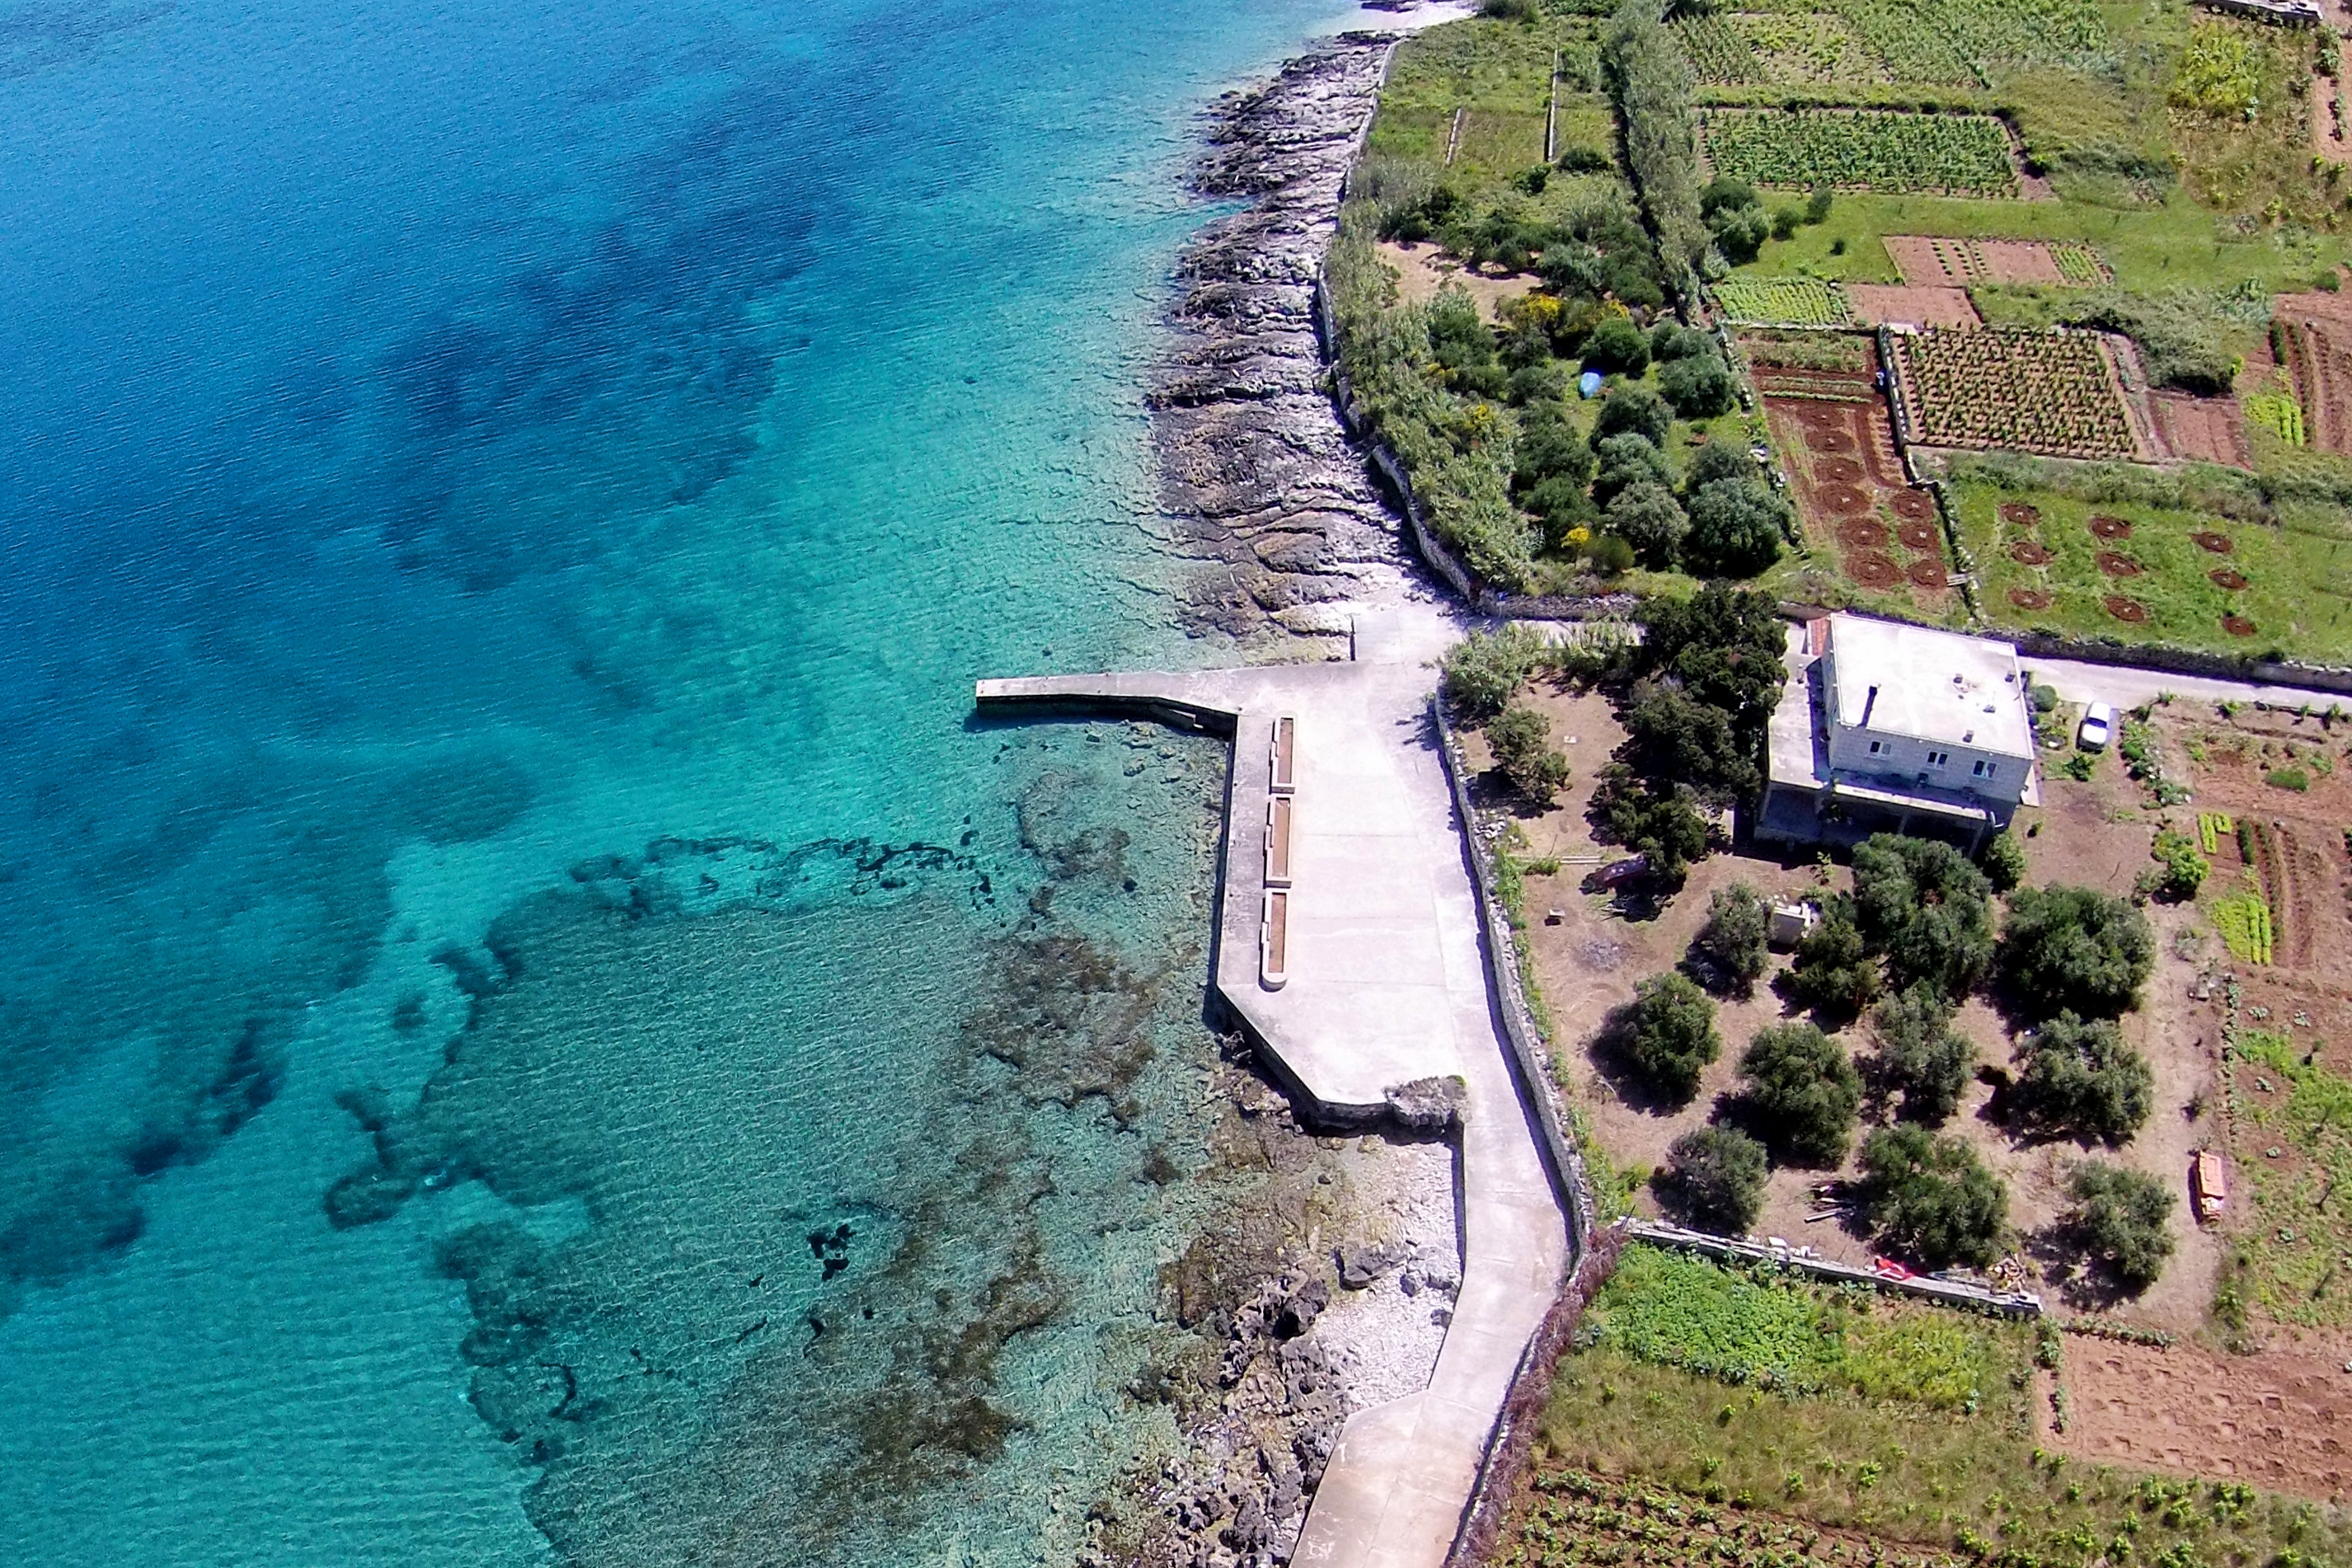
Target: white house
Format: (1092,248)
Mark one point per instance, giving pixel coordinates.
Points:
(1889,725)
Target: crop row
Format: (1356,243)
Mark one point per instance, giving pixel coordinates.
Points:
(1718,54)
(1961,41)
(2078,264)
(1782,301)
(1950,154)
(1573,1518)
(2211,828)
(2279,413)
(2048,392)
(2244,921)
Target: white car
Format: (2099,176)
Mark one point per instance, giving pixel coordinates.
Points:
(2098,728)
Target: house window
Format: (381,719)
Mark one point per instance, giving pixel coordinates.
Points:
(1983,770)
(1877,748)
(1937,759)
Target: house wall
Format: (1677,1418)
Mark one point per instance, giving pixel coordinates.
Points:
(1903,759)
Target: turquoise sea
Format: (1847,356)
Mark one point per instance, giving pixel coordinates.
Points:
(534,1026)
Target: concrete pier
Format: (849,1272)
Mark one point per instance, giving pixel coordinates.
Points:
(1386,985)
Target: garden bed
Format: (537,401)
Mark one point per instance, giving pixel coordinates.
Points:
(1861,150)
(2052,393)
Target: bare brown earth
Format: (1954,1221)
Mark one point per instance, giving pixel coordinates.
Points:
(2200,429)
(2279,1419)
(1926,260)
(1423,269)
(1875,303)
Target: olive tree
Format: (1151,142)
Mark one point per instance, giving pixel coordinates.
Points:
(1715,1175)
(1929,1198)
(1921,1055)
(1735,939)
(2119,1219)
(1667,1035)
(2074,949)
(2078,1079)
(1803,1091)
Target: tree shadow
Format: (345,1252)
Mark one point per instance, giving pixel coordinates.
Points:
(2082,1282)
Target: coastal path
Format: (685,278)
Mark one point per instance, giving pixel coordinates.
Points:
(1386,987)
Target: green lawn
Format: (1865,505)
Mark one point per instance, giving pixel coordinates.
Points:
(2299,594)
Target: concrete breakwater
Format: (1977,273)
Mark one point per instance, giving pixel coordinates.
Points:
(1388,1002)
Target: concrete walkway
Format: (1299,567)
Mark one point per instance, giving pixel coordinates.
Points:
(1388,986)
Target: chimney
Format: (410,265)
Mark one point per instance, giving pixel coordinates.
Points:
(1868,703)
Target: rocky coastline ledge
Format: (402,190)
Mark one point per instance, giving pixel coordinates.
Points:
(1265,490)
(1328,1287)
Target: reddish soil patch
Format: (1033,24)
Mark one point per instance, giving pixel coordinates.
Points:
(1917,535)
(2237,626)
(1873,570)
(1840,471)
(2119,565)
(1912,504)
(2111,528)
(2129,611)
(2225,578)
(1875,303)
(1862,534)
(1927,573)
(2201,429)
(1824,439)
(2019,513)
(2267,1419)
(1821,416)
(1843,500)
(2032,598)
(2025,552)
(2216,543)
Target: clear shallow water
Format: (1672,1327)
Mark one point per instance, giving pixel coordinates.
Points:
(503,508)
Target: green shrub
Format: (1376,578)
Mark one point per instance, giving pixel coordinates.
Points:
(2002,861)
(2293,779)
(2077,1078)
(2184,868)
(1632,410)
(1929,1198)
(1735,939)
(2074,948)
(2119,1219)
(1653,819)
(1667,1035)
(1483,669)
(1699,387)
(1520,738)
(1714,1176)
(1803,1091)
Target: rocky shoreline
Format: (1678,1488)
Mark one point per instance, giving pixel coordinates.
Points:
(1266,491)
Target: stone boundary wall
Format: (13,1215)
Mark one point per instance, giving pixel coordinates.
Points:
(1949,1292)
(1591,1259)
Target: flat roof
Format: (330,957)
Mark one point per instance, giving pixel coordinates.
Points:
(1929,685)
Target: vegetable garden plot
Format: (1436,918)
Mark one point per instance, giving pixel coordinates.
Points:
(1570,1517)
(1952,154)
(1719,55)
(2052,393)
(1782,302)
(1963,43)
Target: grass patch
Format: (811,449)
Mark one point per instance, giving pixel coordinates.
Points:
(1777,1331)
(2296,569)
(2291,1256)
(2176,243)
